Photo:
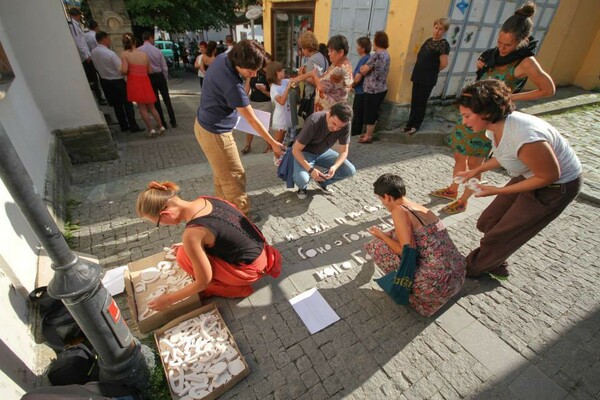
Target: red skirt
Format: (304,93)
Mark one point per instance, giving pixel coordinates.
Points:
(230,280)
(139,88)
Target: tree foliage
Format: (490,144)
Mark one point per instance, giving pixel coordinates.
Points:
(182,15)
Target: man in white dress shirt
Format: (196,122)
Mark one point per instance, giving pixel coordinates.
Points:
(84,53)
(108,65)
(158,77)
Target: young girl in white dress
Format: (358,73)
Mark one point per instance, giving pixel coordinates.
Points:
(280,89)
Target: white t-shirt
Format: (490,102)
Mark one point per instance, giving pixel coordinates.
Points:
(520,129)
(282,117)
(199,61)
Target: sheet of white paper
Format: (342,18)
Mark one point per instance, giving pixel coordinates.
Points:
(243,125)
(313,310)
(113,280)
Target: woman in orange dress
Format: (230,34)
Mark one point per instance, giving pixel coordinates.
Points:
(136,65)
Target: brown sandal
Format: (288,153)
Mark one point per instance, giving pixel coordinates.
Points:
(455,207)
(246,150)
(444,193)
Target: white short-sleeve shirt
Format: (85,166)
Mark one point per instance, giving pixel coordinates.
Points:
(282,117)
(520,129)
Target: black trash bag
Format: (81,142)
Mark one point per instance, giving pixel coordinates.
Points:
(75,365)
(58,326)
(89,391)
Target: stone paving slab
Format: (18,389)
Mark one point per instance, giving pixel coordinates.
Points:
(536,335)
(582,128)
(560,104)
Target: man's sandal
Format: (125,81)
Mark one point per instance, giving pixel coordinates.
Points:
(455,207)
(444,193)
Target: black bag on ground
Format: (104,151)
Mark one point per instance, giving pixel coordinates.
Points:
(306,107)
(89,391)
(58,326)
(75,365)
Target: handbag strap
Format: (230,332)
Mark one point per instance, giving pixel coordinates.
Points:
(415,215)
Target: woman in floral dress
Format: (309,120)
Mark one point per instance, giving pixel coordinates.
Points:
(375,72)
(511,61)
(334,85)
(441,268)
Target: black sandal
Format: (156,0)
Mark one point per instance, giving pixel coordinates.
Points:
(246,150)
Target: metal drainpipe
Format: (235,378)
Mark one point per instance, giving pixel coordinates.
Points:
(77,282)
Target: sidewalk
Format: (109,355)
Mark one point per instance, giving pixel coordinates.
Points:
(535,336)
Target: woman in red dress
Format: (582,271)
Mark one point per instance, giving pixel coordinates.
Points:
(136,65)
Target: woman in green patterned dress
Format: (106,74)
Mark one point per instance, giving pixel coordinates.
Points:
(513,62)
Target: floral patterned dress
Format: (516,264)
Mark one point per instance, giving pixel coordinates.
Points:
(466,142)
(336,83)
(441,268)
(376,79)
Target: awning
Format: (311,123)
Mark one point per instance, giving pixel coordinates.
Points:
(241,20)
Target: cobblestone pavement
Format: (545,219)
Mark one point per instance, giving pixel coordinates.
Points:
(582,128)
(536,336)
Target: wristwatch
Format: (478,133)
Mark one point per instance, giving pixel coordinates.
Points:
(311,170)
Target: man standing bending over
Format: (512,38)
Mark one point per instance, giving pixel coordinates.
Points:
(158,77)
(223,99)
(313,156)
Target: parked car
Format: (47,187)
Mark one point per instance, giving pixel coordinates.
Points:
(167,49)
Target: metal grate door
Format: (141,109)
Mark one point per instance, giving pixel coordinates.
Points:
(474,28)
(356,18)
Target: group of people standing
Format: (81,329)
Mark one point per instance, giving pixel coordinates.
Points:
(144,68)
(545,172)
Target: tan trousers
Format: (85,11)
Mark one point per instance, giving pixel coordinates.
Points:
(229,176)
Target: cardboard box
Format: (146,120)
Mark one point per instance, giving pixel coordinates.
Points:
(202,310)
(155,321)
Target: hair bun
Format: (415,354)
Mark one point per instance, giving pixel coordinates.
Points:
(527,10)
(164,186)
(157,185)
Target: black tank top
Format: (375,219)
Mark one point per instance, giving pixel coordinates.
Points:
(236,239)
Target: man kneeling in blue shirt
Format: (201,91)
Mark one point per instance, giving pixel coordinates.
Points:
(312,149)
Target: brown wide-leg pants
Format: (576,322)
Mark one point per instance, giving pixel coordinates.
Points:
(512,219)
(229,176)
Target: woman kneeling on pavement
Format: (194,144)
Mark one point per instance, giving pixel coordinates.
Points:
(222,250)
(545,171)
(440,272)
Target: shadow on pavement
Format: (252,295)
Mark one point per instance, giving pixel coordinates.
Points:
(573,359)
(284,358)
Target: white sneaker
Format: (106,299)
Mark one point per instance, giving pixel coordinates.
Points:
(302,193)
(162,130)
(325,189)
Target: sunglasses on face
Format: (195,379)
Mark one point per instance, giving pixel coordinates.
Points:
(160,216)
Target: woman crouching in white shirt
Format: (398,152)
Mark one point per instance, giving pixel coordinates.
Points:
(545,171)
